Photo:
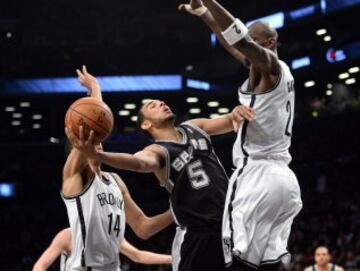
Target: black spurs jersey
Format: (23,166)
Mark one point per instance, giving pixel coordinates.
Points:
(196,179)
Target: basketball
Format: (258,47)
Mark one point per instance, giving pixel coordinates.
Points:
(92,114)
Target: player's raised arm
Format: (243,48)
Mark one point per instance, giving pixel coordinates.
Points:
(147,160)
(196,7)
(74,167)
(225,123)
(143,256)
(142,225)
(90,82)
(60,243)
(257,50)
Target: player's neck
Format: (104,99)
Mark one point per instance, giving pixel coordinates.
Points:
(167,133)
(322,267)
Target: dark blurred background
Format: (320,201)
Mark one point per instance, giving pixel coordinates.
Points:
(147,49)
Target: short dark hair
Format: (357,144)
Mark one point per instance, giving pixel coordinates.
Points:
(139,121)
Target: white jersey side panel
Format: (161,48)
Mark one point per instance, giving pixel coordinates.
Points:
(268,136)
(63,261)
(97,222)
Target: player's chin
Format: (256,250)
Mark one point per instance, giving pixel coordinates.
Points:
(171,117)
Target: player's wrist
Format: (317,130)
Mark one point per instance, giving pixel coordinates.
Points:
(235,32)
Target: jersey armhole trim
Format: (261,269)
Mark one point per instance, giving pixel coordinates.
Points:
(79,194)
(281,75)
(197,128)
(167,167)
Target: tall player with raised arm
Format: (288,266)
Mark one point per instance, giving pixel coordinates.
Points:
(97,203)
(263,196)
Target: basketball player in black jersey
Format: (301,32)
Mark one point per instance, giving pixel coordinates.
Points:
(184,162)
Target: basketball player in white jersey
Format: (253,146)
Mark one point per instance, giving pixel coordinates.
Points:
(263,196)
(96,203)
(61,246)
(322,261)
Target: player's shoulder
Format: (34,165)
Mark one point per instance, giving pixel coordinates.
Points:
(155,149)
(338,268)
(308,268)
(120,182)
(195,125)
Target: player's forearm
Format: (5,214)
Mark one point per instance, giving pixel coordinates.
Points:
(38,267)
(222,17)
(123,161)
(153,225)
(209,20)
(95,91)
(147,257)
(75,163)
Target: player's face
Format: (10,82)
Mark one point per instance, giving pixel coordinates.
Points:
(322,256)
(157,111)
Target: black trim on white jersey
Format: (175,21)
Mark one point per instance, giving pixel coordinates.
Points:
(251,92)
(278,259)
(83,228)
(79,194)
(230,207)
(245,125)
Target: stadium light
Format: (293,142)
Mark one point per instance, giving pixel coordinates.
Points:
(124,113)
(213,104)
(195,110)
(223,110)
(350,81)
(309,84)
(354,70)
(343,75)
(327,38)
(321,32)
(329,92)
(191,100)
(37,117)
(130,106)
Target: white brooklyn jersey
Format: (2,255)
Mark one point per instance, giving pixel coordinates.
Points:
(97,222)
(63,261)
(268,136)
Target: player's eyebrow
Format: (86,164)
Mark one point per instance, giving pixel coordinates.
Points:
(149,103)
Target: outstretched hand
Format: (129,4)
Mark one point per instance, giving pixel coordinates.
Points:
(195,7)
(240,113)
(87,146)
(86,79)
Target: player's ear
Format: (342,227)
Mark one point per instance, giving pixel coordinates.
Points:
(145,125)
(272,43)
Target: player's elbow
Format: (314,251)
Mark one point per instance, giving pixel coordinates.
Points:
(143,234)
(143,230)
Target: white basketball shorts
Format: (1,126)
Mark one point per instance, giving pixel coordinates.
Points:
(262,200)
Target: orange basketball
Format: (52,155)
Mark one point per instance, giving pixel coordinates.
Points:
(92,114)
